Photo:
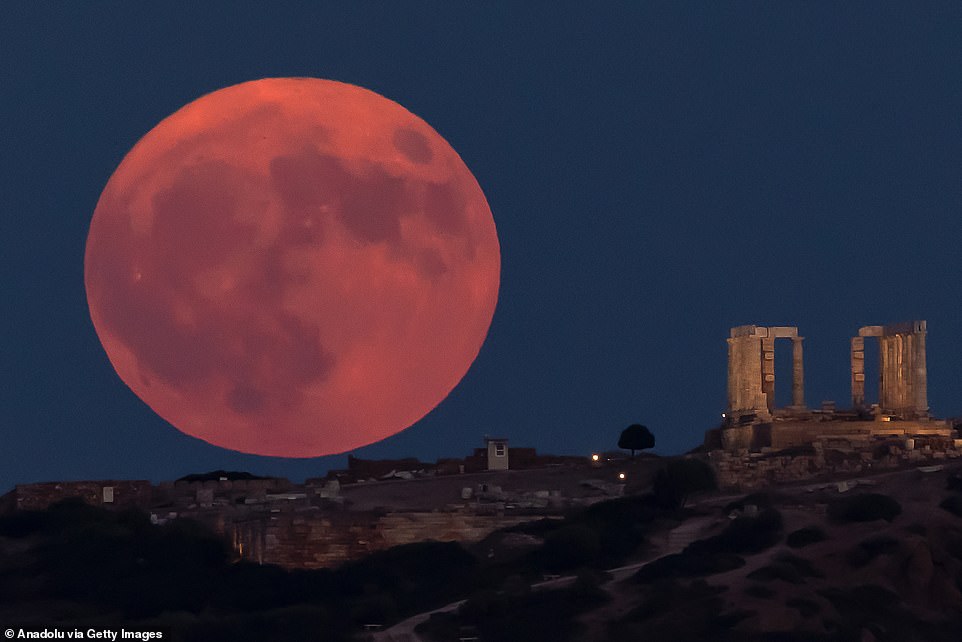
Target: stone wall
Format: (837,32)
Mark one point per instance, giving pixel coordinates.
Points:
(315,525)
(315,539)
(790,433)
(743,470)
(121,493)
(406,528)
(305,539)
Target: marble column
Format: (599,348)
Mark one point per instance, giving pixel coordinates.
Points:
(921,375)
(798,374)
(884,355)
(858,372)
(732,383)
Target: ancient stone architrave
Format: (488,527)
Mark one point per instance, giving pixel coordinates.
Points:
(751,371)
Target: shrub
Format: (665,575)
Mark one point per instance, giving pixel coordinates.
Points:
(761,500)
(869,549)
(754,534)
(786,567)
(805,607)
(436,569)
(667,595)
(540,615)
(592,577)
(688,564)
(918,529)
(864,508)
(21,523)
(952,504)
(620,512)
(621,525)
(537,528)
(515,586)
(865,597)
(440,626)
(570,547)
(376,609)
(745,535)
(587,589)
(954,482)
(673,611)
(483,604)
(679,479)
(805,536)
(802,565)
(760,591)
(881,613)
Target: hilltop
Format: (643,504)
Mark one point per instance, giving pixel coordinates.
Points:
(876,558)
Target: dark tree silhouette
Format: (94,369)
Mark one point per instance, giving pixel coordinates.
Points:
(680,478)
(636,437)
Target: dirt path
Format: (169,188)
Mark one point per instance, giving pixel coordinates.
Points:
(677,539)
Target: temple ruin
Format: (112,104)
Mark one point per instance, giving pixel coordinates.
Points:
(753,420)
(902,376)
(751,371)
(759,443)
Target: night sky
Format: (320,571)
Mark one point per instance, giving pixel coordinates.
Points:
(658,172)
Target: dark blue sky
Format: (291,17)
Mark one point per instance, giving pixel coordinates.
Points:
(658,172)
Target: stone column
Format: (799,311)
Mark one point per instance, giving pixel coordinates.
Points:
(897,391)
(903,379)
(798,374)
(883,373)
(892,384)
(858,372)
(745,373)
(921,374)
(731,376)
(908,375)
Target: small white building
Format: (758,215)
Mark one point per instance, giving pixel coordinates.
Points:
(497,453)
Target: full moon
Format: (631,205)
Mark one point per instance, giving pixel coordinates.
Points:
(292,267)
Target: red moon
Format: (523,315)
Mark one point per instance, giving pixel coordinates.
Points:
(292,267)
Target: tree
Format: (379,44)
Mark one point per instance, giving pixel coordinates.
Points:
(570,547)
(636,437)
(679,478)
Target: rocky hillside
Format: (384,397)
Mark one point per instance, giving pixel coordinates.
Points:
(878,558)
